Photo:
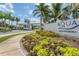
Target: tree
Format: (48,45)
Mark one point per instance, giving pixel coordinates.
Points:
(4,17)
(1,15)
(9,16)
(55,10)
(65,14)
(1,18)
(42,11)
(74,10)
(12,19)
(27,21)
(71,9)
(17,19)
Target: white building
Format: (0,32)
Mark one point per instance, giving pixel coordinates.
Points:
(23,26)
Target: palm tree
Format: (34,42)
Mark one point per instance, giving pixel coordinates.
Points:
(56,10)
(17,19)
(71,9)
(74,10)
(65,14)
(4,17)
(9,16)
(26,21)
(12,19)
(42,12)
(1,15)
(1,18)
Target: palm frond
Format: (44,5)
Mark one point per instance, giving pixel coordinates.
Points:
(36,13)
(36,10)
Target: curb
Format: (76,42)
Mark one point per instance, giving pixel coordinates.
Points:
(23,50)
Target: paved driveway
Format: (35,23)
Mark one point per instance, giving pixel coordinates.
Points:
(11,47)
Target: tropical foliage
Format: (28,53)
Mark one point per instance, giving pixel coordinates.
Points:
(54,11)
(4,17)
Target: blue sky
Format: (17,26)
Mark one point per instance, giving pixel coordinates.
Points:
(22,10)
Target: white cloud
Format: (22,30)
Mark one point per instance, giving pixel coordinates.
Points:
(26,7)
(30,12)
(25,15)
(3,8)
(7,8)
(19,15)
(35,20)
(36,3)
(12,11)
(9,5)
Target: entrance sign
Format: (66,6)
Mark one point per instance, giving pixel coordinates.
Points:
(68,27)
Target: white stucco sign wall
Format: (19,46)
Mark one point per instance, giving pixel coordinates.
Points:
(69,27)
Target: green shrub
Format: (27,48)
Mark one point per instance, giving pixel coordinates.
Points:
(35,36)
(46,33)
(42,52)
(25,43)
(43,42)
(27,37)
(37,47)
(60,42)
(69,51)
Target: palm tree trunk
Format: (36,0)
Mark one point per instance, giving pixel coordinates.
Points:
(16,25)
(4,21)
(41,23)
(9,22)
(11,25)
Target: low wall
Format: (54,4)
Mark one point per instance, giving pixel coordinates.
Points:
(68,27)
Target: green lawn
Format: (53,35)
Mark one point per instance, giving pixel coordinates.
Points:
(7,37)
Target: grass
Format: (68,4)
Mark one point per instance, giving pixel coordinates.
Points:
(7,37)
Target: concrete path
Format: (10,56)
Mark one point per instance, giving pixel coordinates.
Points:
(11,47)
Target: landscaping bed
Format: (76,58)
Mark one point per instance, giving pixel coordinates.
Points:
(43,43)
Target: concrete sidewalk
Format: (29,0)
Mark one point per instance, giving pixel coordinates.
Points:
(11,47)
